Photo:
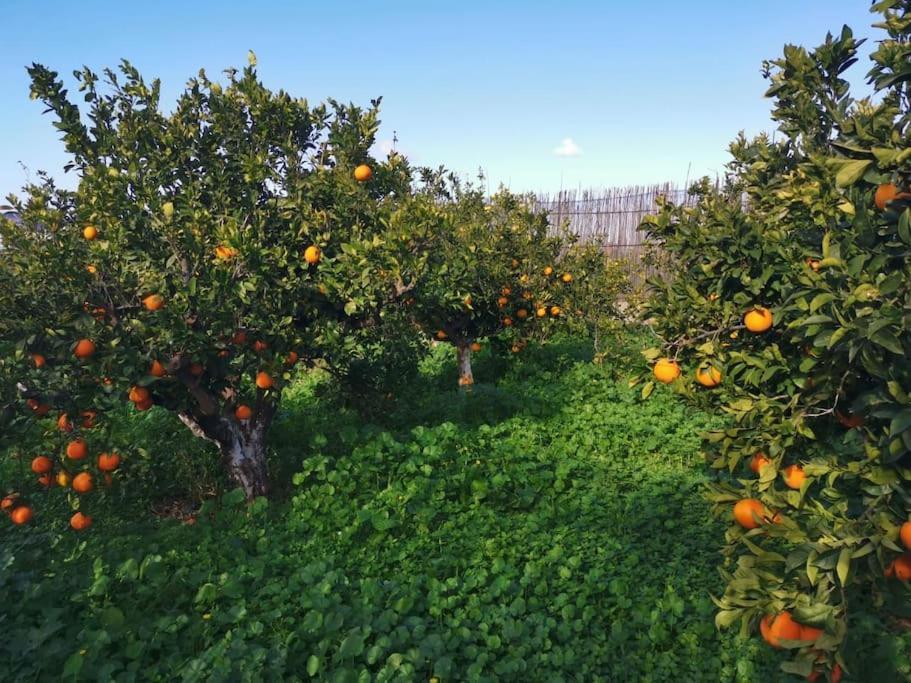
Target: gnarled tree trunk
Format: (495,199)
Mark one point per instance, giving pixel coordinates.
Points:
(242,445)
(466,379)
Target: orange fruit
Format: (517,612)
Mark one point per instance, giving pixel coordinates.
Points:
(41,409)
(80,521)
(506,291)
(157,369)
(901,567)
(143,405)
(527,295)
(91,269)
(153,302)
(21,515)
(108,462)
(42,465)
(567,278)
(239,337)
(810,633)
(263,380)
(441,335)
(521,314)
(63,479)
(475,346)
(507,321)
(778,628)
(884,194)
(38,360)
(292,358)
(759,461)
(708,376)
(363,173)
(548,271)
(905,535)
(312,254)
(138,394)
(516,348)
(666,370)
(243,412)
(90,232)
(76,450)
(502,301)
(758,319)
(834,675)
(88,418)
(7,503)
(750,513)
(85,348)
(82,482)
(555,311)
(849,421)
(46,480)
(541,312)
(794,476)
(64,424)
(259,346)
(225,253)
(813,263)
(713,296)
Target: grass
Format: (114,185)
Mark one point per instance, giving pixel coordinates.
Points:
(548,526)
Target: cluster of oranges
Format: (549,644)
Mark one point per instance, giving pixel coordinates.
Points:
(525,306)
(757,320)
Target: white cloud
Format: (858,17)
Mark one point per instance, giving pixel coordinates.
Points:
(568,148)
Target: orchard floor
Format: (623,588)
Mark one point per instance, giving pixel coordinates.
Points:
(547,527)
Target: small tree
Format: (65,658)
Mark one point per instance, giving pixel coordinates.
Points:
(202,255)
(790,295)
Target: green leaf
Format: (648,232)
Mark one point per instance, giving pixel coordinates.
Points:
(851,171)
(313,663)
(844,565)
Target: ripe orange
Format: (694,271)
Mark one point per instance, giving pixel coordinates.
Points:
(516,348)
(82,482)
(153,302)
(507,321)
(441,335)
(905,535)
(259,346)
(63,479)
(263,380)
(813,263)
(759,461)
(312,254)
(502,301)
(90,232)
(7,503)
(243,412)
(548,271)
(521,314)
(143,405)
(750,513)
(46,480)
(475,346)
(76,450)
(567,278)
(794,476)
(666,370)
(900,567)
(506,291)
(834,675)
(708,376)
(778,628)
(85,348)
(363,173)
(225,253)
(91,269)
(42,465)
(527,295)
(292,358)
(157,369)
(41,409)
(555,311)
(239,337)
(713,296)
(810,633)
(541,312)
(884,194)
(108,462)
(64,424)
(80,521)
(758,319)
(139,394)
(39,360)
(21,515)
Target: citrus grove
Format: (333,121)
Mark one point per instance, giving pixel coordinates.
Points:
(788,313)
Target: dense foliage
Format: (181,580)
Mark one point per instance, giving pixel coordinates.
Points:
(792,289)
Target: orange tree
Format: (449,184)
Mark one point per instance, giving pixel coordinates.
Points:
(788,310)
(481,269)
(203,254)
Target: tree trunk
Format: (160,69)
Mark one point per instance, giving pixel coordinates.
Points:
(242,445)
(465,377)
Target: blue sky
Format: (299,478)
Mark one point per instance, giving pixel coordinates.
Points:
(644,91)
